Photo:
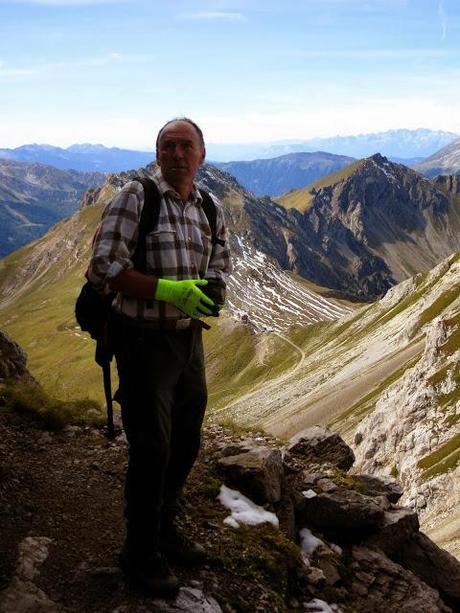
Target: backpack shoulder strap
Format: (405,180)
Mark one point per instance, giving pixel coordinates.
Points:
(210,210)
(148,221)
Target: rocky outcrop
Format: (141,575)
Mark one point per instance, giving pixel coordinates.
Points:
(12,359)
(414,429)
(448,183)
(359,548)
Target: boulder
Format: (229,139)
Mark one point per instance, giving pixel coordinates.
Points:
(398,526)
(257,473)
(376,583)
(341,511)
(380,486)
(320,445)
(433,565)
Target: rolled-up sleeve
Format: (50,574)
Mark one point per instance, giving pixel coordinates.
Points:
(220,263)
(116,236)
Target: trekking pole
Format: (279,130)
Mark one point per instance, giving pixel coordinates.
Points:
(111,432)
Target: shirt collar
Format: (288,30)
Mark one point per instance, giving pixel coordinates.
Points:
(165,188)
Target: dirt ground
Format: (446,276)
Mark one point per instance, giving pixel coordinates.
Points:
(68,487)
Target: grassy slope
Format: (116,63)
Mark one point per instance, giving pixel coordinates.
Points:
(350,363)
(301,199)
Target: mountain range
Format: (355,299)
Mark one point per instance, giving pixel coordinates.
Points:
(83,157)
(399,145)
(33,197)
(278,175)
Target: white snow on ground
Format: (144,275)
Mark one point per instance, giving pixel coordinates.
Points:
(243,510)
(269,298)
(308,541)
(319,606)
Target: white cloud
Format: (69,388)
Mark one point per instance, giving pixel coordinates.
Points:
(213,16)
(12,73)
(366,115)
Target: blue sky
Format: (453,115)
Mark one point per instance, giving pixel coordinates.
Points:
(113,71)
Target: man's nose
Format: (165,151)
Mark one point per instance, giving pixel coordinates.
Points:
(178,151)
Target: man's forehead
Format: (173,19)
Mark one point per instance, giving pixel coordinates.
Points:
(179,130)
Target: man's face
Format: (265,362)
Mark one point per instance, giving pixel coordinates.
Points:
(180,153)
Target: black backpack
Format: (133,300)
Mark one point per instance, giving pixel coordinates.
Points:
(92,308)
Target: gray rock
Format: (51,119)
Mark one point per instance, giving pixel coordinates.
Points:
(378,486)
(399,525)
(257,473)
(23,595)
(433,565)
(12,359)
(189,600)
(376,583)
(319,445)
(342,510)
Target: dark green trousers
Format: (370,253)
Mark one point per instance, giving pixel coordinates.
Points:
(162,393)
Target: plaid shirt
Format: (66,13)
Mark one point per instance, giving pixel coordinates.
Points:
(179,247)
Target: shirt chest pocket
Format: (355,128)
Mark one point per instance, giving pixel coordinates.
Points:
(163,247)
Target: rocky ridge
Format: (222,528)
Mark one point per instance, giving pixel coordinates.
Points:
(375,224)
(34,196)
(446,161)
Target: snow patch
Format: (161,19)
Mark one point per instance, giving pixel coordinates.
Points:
(320,606)
(308,541)
(243,510)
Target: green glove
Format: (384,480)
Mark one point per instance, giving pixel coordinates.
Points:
(185,295)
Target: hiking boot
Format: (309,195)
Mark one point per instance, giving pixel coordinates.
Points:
(150,573)
(181,550)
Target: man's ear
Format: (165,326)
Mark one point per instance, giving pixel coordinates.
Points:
(203,156)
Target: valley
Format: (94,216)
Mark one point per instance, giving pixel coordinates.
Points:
(331,318)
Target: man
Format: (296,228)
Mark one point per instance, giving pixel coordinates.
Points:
(156,335)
